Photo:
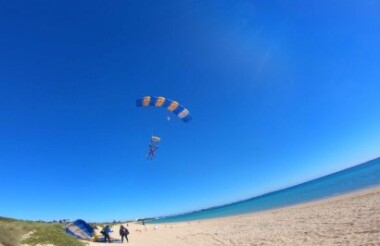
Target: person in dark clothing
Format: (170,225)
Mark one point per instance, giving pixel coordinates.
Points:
(123,233)
(152,151)
(106,233)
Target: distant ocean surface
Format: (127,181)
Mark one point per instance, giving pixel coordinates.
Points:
(358,177)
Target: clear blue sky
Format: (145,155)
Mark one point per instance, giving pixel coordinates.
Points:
(280,92)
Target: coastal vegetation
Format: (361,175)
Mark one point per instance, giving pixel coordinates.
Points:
(17,232)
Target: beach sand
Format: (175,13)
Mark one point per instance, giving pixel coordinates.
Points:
(351,219)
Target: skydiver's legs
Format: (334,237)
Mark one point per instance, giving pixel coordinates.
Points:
(150,154)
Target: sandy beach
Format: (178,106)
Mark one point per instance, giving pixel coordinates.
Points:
(351,219)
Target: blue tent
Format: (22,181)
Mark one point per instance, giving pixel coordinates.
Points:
(80,229)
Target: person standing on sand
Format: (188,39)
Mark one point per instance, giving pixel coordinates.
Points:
(123,233)
(106,233)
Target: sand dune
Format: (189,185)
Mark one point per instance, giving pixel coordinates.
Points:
(352,219)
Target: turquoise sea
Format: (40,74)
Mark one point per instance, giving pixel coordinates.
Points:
(358,177)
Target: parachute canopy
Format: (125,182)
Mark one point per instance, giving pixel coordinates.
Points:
(80,229)
(171,105)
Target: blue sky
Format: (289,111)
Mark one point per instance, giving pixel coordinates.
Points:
(280,92)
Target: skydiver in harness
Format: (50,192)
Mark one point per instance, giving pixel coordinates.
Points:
(152,151)
(153,146)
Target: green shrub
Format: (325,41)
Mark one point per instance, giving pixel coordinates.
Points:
(12,231)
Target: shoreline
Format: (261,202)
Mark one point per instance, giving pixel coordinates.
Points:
(368,189)
(351,218)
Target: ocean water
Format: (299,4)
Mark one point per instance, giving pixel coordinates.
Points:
(358,177)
